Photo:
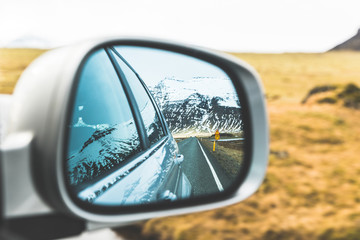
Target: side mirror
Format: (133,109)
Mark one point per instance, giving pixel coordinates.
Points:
(115,131)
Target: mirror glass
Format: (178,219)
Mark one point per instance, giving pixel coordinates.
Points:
(150,125)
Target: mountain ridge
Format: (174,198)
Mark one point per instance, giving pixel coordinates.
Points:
(199,112)
(352,44)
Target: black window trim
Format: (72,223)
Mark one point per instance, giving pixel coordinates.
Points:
(158,112)
(144,140)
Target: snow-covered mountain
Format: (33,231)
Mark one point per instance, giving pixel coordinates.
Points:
(198,105)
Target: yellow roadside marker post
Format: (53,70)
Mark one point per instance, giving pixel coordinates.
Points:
(217,137)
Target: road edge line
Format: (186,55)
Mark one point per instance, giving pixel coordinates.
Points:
(216,178)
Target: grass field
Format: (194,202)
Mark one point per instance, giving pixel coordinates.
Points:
(311,190)
(12,64)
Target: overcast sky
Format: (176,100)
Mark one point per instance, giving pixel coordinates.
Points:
(234,25)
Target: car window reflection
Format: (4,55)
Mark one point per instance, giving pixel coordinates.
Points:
(100,140)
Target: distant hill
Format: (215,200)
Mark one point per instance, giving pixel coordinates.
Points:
(351,44)
(29,41)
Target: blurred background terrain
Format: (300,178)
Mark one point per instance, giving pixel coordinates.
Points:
(311,187)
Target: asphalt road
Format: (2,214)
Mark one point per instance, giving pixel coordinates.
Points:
(202,169)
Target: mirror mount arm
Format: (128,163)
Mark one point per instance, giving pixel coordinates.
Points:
(22,211)
(46,226)
(19,194)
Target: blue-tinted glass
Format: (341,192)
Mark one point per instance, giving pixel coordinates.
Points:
(102,130)
(151,119)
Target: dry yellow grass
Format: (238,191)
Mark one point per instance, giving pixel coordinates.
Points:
(12,64)
(311,189)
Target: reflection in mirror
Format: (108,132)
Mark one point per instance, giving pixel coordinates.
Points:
(149,125)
